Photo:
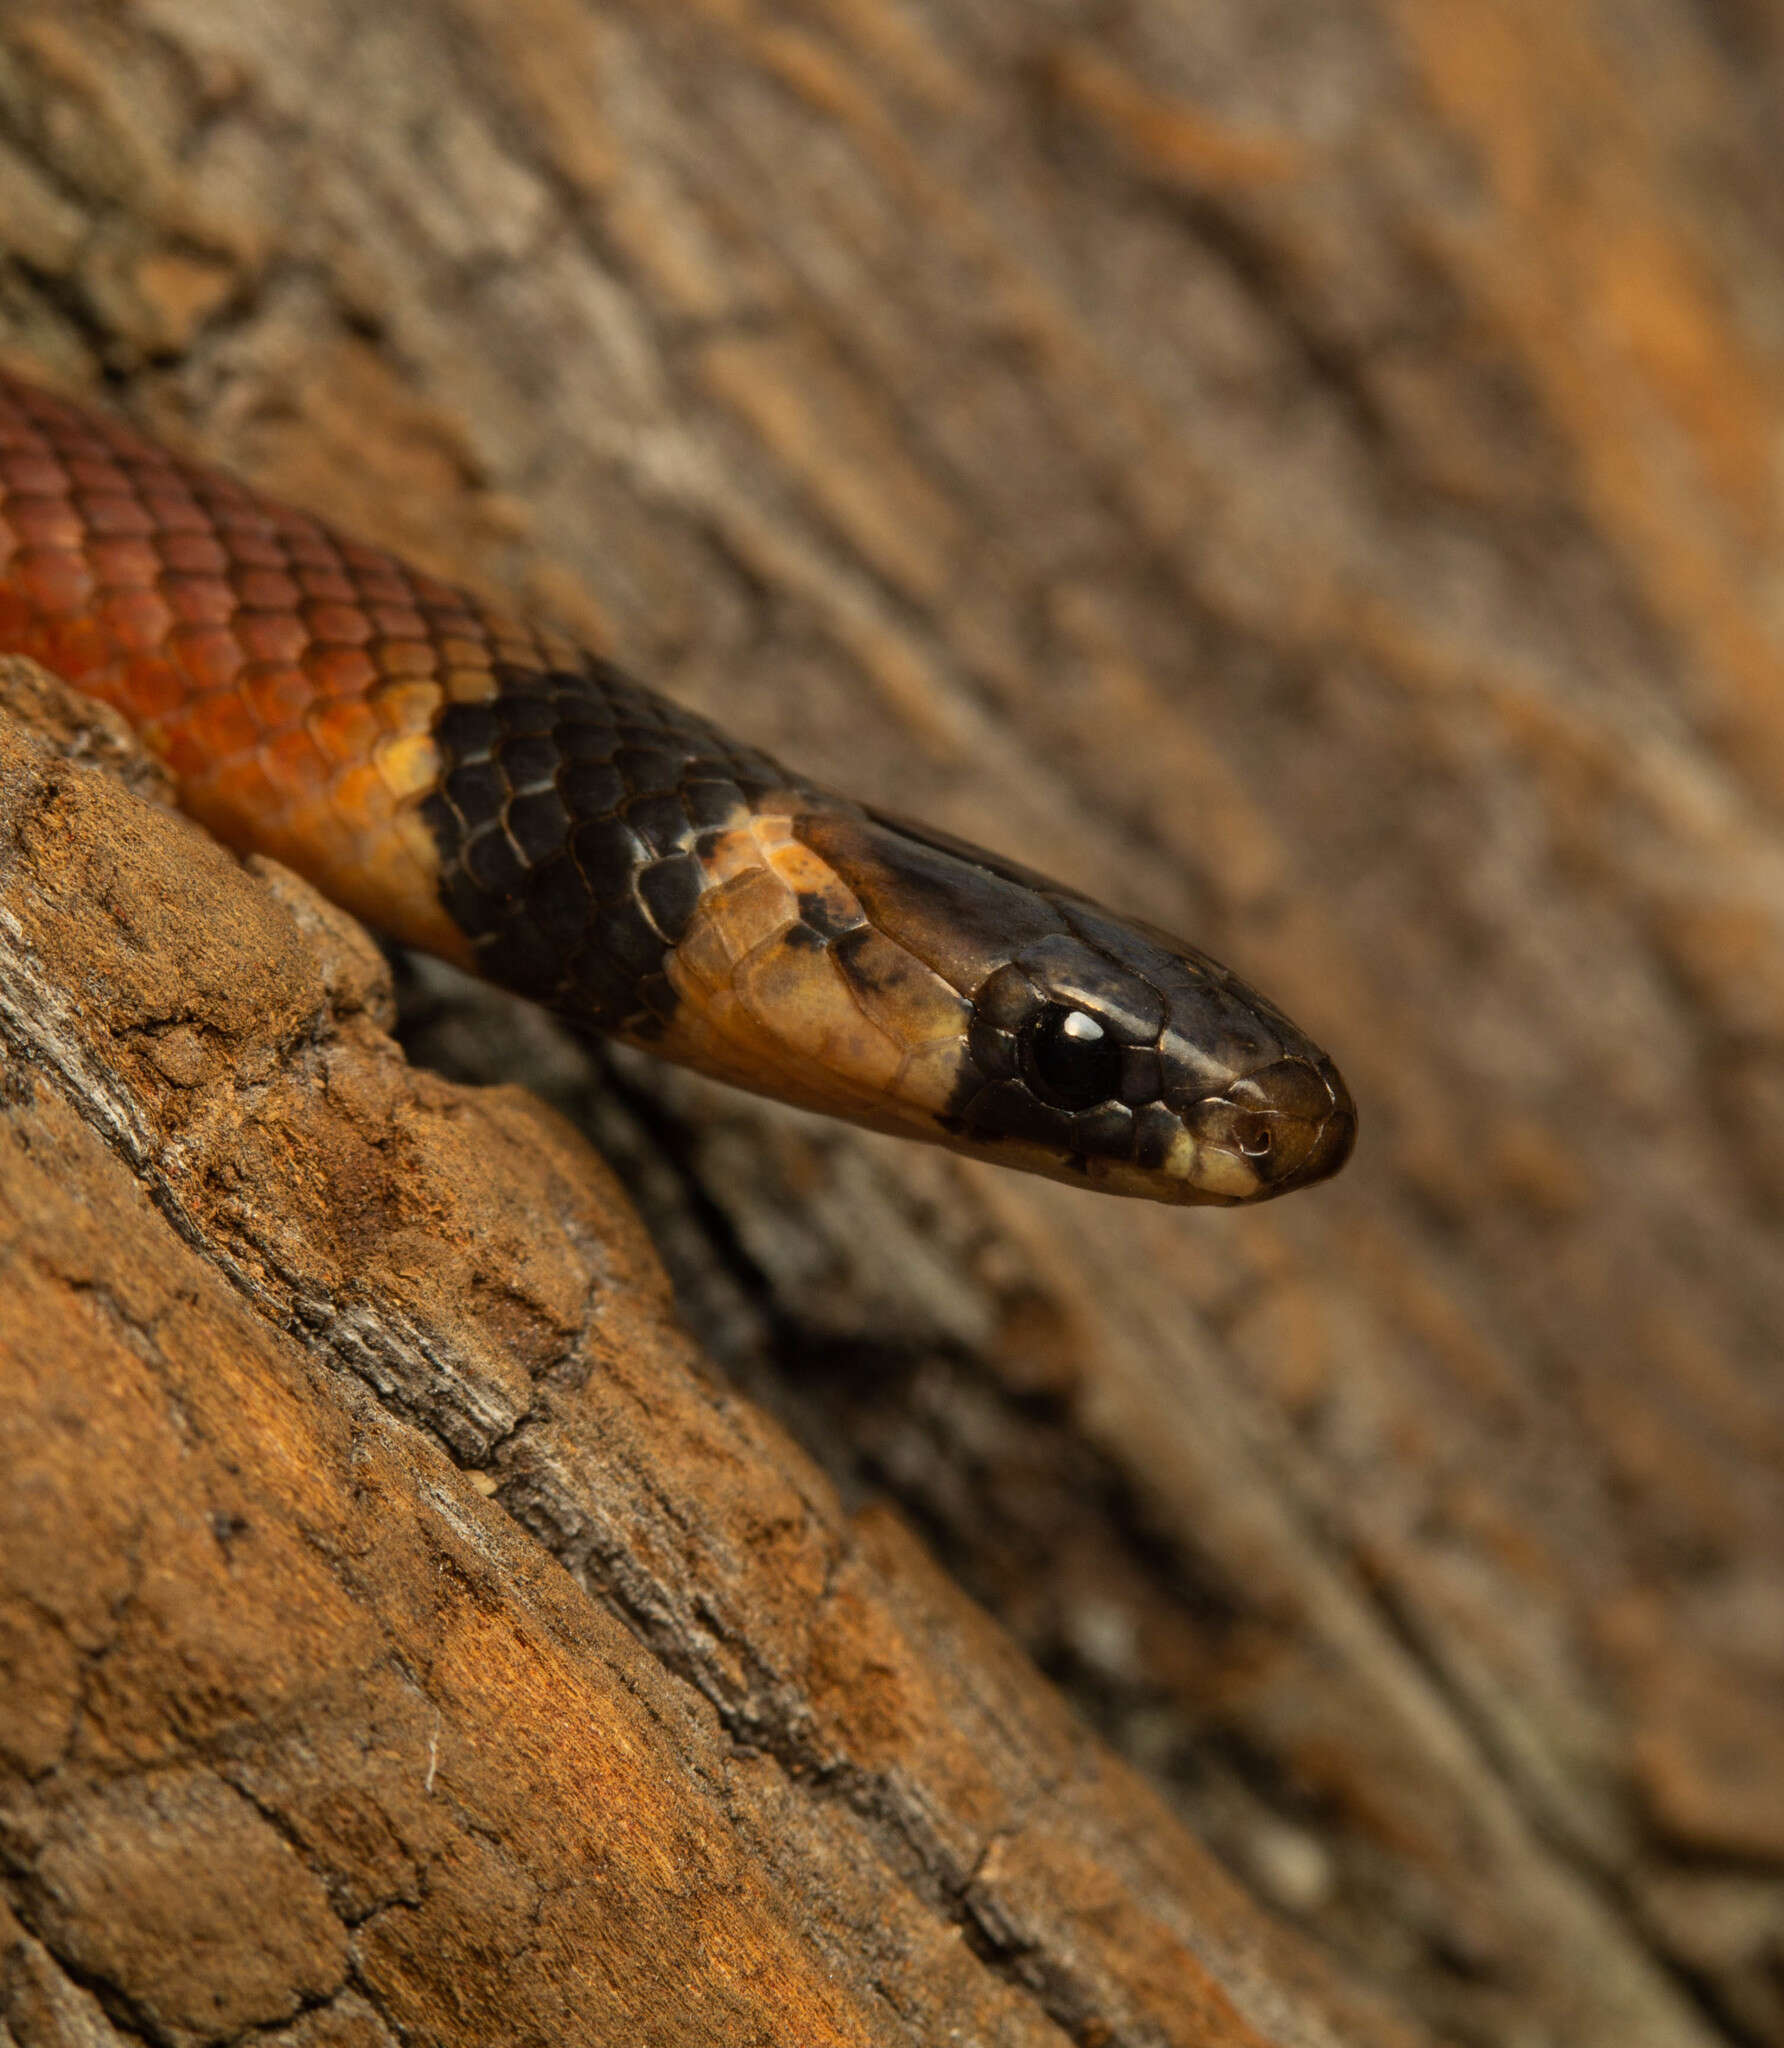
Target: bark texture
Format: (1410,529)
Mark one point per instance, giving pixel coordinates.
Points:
(1308,473)
(320,1370)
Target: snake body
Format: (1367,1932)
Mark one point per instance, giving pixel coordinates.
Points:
(483,787)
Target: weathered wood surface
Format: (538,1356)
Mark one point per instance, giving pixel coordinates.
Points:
(304,1347)
(1308,473)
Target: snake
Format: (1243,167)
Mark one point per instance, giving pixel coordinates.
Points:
(477,784)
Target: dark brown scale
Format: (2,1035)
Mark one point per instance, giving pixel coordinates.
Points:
(567,818)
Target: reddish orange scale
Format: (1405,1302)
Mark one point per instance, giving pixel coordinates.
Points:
(191,554)
(223,725)
(436,596)
(361,794)
(278,697)
(233,506)
(172,510)
(317,817)
(136,618)
(292,764)
(271,635)
(79,646)
(58,583)
(398,622)
(222,626)
(267,589)
(343,671)
(376,580)
(211,656)
(184,752)
(344,733)
(40,522)
(250,789)
(327,584)
(312,549)
(254,553)
(406,657)
(455,632)
(199,600)
(147,692)
(29,473)
(124,559)
(342,624)
(96,476)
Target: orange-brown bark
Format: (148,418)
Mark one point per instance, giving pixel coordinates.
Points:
(401,1624)
(1305,473)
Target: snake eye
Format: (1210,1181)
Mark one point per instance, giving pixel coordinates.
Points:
(1072,1059)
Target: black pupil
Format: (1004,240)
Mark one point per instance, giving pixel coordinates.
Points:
(1074,1058)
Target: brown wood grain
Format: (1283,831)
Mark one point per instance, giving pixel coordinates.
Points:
(1308,474)
(405,1628)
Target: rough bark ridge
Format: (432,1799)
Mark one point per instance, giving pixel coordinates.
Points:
(1306,472)
(300,1342)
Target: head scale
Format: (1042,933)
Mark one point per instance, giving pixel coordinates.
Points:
(962,999)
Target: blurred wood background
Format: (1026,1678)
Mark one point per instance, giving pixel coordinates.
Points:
(1311,475)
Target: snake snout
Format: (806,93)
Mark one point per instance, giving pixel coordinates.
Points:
(1292,1123)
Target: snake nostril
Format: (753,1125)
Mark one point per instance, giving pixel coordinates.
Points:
(1253,1136)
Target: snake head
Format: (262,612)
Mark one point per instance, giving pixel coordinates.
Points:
(886,973)
(1111,1053)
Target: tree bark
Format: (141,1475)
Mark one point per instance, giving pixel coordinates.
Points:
(1304,473)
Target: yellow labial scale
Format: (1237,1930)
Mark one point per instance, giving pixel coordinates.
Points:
(799,996)
(927,1077)
(703,956)
(758,1002)
(901,994)
(1218,1171)
(734,1048)
(740,851)
(741,905)
(724,1040)
(749,908)
(811,876)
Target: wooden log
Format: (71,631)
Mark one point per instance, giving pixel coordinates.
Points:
(405,1631)
(1305,473)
